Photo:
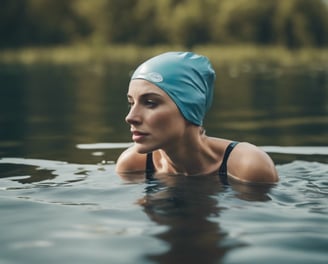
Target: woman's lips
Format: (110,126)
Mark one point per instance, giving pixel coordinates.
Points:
(138,136)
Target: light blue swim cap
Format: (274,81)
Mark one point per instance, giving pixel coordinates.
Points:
(188,79)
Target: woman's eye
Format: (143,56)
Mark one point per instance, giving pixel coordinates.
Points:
(151,103)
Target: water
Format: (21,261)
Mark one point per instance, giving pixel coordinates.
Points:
(61,130)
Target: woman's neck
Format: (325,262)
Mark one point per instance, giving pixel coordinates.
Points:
(193,156)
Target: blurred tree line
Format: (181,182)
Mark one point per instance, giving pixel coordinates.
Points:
(291,23)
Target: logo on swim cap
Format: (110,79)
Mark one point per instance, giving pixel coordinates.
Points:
(155,77)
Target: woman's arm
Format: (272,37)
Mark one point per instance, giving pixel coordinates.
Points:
(249,163)
(130,162)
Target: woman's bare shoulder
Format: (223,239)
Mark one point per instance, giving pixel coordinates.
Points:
(249,163)
(130,161)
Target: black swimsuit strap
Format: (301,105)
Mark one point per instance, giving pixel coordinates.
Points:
(150,168)
(223,173)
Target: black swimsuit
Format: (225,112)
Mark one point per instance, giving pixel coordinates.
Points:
(223,173)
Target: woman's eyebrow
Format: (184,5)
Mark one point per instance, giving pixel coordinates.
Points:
(145,95)
(151,94)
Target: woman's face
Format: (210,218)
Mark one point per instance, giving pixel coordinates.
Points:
(154,119)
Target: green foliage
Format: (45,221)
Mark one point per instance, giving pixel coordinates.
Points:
(39,22)
(301,23)
(291,23)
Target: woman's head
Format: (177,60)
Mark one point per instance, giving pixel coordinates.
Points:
(155,120)
(187,78)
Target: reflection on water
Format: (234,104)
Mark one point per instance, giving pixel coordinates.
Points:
(47,110)
(61,129)
(186,205)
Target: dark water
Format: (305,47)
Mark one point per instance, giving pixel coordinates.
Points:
(60,200)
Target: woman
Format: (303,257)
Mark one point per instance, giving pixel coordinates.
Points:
(169,96)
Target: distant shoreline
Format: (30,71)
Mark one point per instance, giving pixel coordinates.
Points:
(82,54)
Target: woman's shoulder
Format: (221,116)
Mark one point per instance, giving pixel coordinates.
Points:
(130,161)
(249,163)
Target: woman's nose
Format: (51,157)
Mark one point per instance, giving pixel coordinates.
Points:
(133,117)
